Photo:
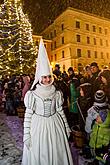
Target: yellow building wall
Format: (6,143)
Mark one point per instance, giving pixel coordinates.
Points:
(68,18)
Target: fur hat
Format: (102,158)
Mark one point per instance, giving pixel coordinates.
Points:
(100,96)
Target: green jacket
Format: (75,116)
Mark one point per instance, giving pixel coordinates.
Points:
(74,94)
(100,135)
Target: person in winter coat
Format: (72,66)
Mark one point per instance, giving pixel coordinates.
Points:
(94,78)
(104,76)
(100,136)
(88,74)
(99,104)
(46,130)
(9,92)
(57,71)
(73,84)
(85,102)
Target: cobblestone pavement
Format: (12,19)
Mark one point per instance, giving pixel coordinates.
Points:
(10,140)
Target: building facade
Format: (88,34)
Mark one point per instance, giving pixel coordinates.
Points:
(78,38)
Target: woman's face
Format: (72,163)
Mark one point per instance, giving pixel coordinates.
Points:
(81,92)
(46,79)
(94,69)
(88,71)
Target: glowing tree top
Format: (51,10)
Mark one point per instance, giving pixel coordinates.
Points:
(17,51)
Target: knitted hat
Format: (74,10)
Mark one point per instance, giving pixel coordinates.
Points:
(100,96)
(103,115)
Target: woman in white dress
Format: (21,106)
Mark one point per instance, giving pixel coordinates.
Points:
(46,130)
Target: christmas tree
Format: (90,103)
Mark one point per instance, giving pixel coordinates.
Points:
(17,52)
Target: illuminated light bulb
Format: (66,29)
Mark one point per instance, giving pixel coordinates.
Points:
(9,59)
(7,67)
(9,37)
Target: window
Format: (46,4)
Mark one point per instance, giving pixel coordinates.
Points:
(88,53)
(63,54)
(51,35)
(100,30)
(94,28)
(54,33)
(55,57)
(62,40)
(55,44)
(78,24)
(63,67)
(106,42)
(51,57)
(62,27)
(78,37)
(48,36)
(94,40)
(102,55)
(78,52)
(101,43)
(107,55)
(88,40)
(95,54)
(106,31)
(51,46)
(87,26)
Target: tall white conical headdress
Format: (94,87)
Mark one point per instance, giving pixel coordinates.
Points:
(43,65)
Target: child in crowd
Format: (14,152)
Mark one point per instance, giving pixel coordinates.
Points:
(100,136)
(100,103)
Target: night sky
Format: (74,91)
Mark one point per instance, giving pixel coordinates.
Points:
(42,12)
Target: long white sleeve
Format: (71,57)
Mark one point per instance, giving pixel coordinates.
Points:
(29,101)
(61,112)
(27,124)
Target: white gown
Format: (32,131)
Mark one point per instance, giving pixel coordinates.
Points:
(46,130)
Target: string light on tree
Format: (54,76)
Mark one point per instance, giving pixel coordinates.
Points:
(18,50)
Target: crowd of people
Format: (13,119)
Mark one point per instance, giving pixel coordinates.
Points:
(12,91)
(86,104)
(89,107)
